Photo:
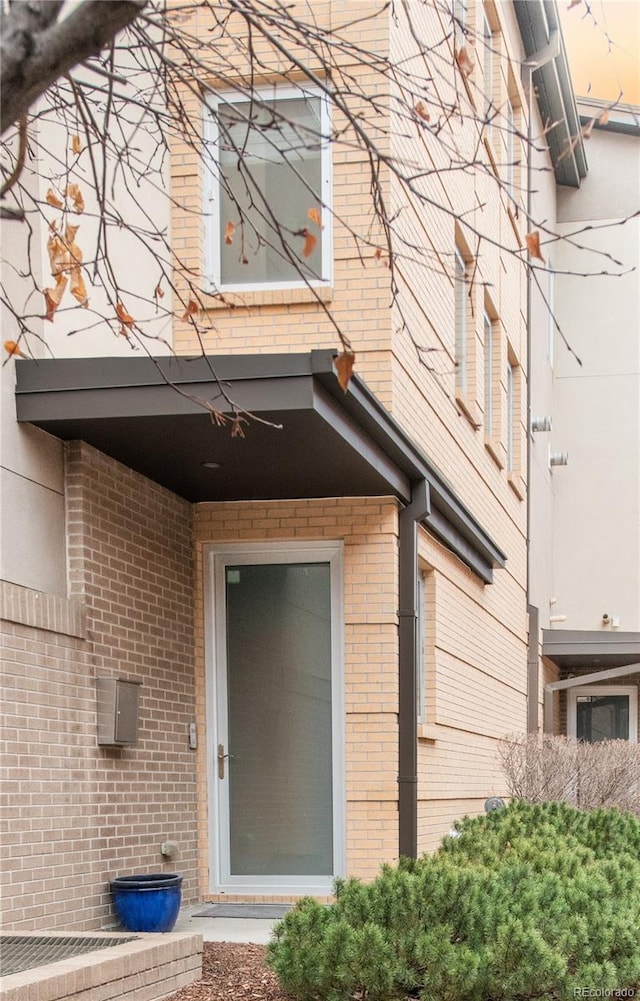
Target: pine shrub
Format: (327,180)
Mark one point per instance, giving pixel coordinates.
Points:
(528,902)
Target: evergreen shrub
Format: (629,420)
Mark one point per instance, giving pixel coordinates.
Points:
(531,901)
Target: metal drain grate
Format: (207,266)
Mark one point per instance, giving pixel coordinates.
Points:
(23,952)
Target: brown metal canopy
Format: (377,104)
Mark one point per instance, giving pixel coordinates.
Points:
(145,413)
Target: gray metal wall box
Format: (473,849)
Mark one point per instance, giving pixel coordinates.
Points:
(118,700)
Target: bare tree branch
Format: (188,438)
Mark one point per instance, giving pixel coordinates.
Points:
(36,49)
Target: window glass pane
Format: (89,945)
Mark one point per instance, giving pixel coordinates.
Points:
(488,375)
(270,161)
(421,651)
(510,139)
(280,720)
(511,417)
(487,65)
(602,717)
(461,324)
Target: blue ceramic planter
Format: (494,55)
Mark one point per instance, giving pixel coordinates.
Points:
(147,903)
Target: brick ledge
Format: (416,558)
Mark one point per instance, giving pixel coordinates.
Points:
(42,611)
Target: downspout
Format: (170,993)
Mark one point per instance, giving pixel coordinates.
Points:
(408,657)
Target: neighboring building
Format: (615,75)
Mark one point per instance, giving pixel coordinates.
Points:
(585,566)
(326,625)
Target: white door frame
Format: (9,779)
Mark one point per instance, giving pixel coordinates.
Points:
(216,558)
(575,693)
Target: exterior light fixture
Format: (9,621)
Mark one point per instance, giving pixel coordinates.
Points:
(558,458)
(211,464)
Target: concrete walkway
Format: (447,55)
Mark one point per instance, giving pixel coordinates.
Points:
(224,929)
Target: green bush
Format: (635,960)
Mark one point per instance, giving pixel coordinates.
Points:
(527,902)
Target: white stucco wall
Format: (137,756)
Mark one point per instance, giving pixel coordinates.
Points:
(596,532)
(32,543)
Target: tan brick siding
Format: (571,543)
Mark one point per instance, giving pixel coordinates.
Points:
(368,529)
(76,814)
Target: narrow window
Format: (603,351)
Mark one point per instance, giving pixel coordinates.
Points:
(488,375)
(421,651)
(461,324)
(511,417)
(511,146)
(487,38)
(459,9)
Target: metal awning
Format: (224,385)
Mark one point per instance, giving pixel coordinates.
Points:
(572,649)
(145,413)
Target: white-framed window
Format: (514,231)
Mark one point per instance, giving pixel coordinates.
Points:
(461,333)
(421,651)
(268,190)
(487,66)
(510,140)
(603,712)
(512,370)
(489,380)
(459,10)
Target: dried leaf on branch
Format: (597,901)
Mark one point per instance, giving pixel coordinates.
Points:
(344,368)
(464,61)
(53,199)
(310,242)
(192,310)
(422,111)
(124,317)
(229,230)
(13,349)
(315,216)
(74,193)
(533,244)
(53,296)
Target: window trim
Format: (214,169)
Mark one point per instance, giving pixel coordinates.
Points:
(212,231)
(575,693)
(510,180)
(216,556)
(489,379)
(421,649)
(487,70)
(461,346)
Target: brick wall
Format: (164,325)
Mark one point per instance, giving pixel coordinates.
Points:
(78,814)
(368,529)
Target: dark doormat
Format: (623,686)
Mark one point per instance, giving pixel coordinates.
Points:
(240,910)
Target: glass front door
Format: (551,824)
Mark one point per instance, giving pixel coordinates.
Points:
(602,717)
(276,719)
(603,712)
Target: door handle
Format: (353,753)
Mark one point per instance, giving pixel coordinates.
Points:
(221,760)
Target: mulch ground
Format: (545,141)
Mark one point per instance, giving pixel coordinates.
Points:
(233,971)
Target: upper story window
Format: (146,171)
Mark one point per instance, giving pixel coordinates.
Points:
(459,11)
(489,376)
(461,331)
(269,190)
(487,70)
(512,392)
(510,140)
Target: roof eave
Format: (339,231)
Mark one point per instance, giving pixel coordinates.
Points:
(538,20)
